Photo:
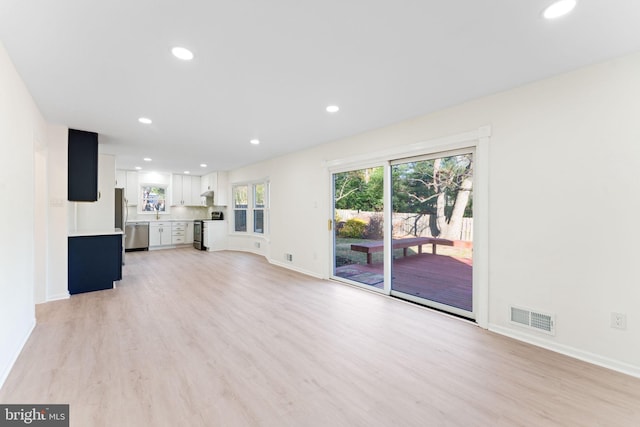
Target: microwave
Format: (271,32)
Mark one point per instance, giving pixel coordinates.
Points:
(217,216)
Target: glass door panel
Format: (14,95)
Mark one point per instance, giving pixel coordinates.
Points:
(358,227)
(432,223)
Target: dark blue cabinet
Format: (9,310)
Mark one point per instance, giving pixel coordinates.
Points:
(95,262)
(82,182)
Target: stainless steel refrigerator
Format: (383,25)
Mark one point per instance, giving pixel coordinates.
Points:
(121,209)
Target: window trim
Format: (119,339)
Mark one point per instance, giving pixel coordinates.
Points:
(166,207)
(251,207)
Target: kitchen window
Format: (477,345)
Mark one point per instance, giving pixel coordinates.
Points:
(250,206)
(152,198)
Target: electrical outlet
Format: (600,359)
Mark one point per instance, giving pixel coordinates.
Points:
(256,244)
(288,257)
(618,320)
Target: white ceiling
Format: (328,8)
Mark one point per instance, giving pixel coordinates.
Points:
(267,69)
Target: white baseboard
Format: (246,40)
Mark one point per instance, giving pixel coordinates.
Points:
(246,250)
(294,268)
(7,369)
(56,297)
(585,356)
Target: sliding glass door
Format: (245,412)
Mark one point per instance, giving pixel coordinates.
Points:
(423,252)
(359,227)
(432,220)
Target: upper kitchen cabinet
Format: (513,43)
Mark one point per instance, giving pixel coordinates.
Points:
(121,178)
(185,190)
(215,185)
(177,190)
(129,181)
(82,183)
(194,195)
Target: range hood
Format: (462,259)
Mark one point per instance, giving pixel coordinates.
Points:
(208,193)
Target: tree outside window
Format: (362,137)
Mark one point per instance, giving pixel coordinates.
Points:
(153,198)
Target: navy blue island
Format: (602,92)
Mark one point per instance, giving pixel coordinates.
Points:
(94,260)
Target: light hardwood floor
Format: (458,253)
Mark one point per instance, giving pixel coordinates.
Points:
(191,338)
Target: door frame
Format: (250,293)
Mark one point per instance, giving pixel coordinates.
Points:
(479,140)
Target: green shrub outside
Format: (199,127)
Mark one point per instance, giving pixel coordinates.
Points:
(354,228)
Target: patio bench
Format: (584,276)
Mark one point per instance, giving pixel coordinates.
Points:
(378,245)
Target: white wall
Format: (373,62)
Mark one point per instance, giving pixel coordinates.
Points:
(20,125)
(564,156)
(40,224)
(98,215)
(57,218)
(33,185)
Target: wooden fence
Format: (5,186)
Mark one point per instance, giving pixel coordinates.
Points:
(408,224)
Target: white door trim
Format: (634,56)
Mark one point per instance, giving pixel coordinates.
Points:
(478,139)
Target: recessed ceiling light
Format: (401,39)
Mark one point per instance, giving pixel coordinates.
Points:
(182,53)
(203,165)
(147,159)
(255,141)
(333,109)
(187,172)
(138,168)
(145,120)
(559,8)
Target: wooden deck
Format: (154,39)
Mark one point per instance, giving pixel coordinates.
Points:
(443,279)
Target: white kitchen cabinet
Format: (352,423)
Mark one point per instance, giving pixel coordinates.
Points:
(160,233)
(216,182)
(221,198)
(185,190)
(129,181)
(204,183)
(205,235)
(188,233)
(178,232)
(176,190)
(131,190)
(215,236)
(121,178)
(194,197)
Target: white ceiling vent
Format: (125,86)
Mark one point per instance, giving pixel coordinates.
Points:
(534,320)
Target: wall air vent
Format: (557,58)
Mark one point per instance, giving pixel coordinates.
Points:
(534,320)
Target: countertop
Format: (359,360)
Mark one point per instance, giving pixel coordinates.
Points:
(131,221)
(80,233)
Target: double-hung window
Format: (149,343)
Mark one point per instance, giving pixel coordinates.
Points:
(250,206)
(240,205)
(259,205)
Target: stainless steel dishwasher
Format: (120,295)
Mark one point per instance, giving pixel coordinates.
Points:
(136,236)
